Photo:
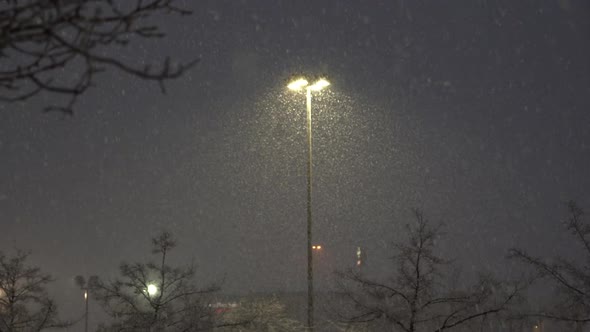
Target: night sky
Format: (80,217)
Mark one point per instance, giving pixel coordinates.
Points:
(478,112)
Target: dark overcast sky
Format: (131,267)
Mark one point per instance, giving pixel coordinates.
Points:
(477,112)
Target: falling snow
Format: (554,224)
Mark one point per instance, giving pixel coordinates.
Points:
(476,113)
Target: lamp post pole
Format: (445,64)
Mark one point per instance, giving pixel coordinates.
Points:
(86,310)
(317,86)
(86,286)
(309,223)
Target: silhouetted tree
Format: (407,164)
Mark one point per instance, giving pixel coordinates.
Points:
(155,296)
(59,46)
(571,279)
(418,295)
(24,303)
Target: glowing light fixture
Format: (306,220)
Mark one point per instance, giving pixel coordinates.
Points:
(298,84)
(152,289)
(301,83)
(359,256)
(317,86)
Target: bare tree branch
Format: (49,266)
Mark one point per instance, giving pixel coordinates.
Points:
(24,303)
(41,41)
(416,297)
(570,279)
(177,304)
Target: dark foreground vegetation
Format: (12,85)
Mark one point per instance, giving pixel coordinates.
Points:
(420,293)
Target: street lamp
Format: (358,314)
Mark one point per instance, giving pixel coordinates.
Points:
(152,289)
(86,286)
(298,85)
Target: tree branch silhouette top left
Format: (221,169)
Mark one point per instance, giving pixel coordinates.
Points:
(59,46)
